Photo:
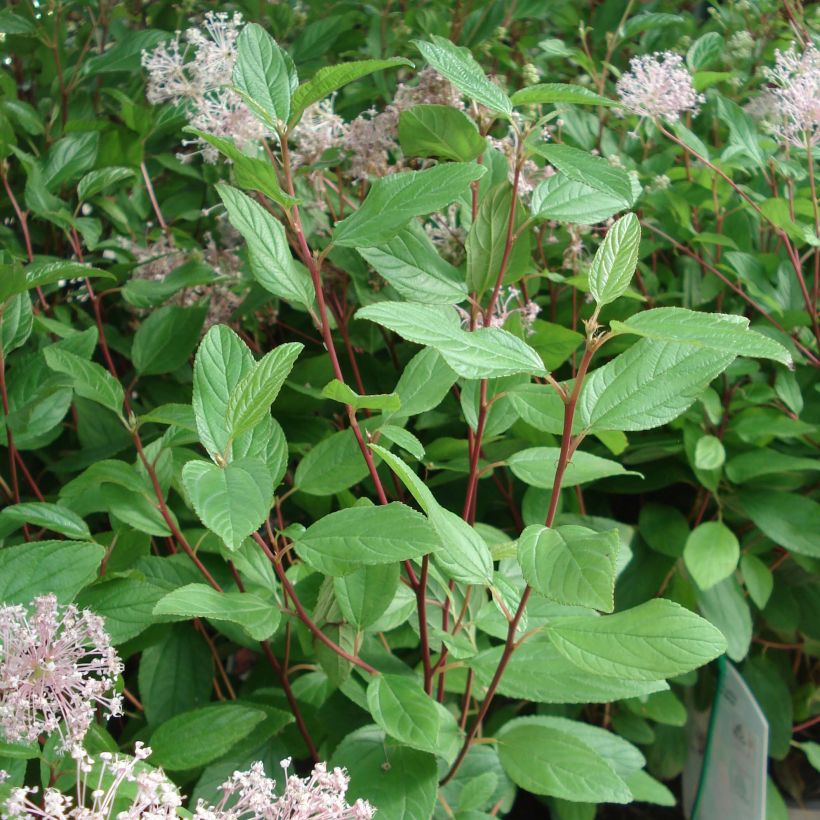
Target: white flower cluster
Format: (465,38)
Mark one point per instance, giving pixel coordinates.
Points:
(248,795)
(196,73)
(793,101)
(56,665)
(658,87)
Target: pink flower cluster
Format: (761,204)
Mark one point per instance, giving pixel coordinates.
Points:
(658,87)
(55,665)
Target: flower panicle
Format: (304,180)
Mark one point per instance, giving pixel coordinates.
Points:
(56,665)
(658,87)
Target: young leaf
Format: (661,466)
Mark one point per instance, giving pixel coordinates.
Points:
(658,639)
(222,362)
(339,391)
(233,501)
(724,606)
(330,78)
(262,74)
(482,354)
(250,402)
(713,331)
(257,616)
(571,564)
(271,262)
(343,541)
(462,552)
(711,553)
(615,260)
(439,131)
(757,578)
(460,68)
(544,760)
(16,322)
(565,93)
(333,465)
(536,466)
(412,265)
(399,705)
(91,380)
(648,385)
(593,171)
(395,199)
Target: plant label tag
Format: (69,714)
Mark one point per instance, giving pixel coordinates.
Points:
(726,773)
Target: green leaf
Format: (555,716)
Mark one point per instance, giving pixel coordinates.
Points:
(250,402)
(485,353)
(758,579)
(536,466)
(648,385)
(711,553)
(615,260)
(537,671)
(271,262)
(544,760)
(486,241)
(411,264)
(812,752)
(257,616)
(96,181)
(620,754)
(175,674)
(62,568)
(330,78)
(53,517)
(343,541)
(395,199)
(91,380)
(462,553)
(401,781)
(125,603)
(551,93)
(593,171)
(233,501)
(439,131)
(709,453)
(742,130)
(69,157)
(16,24)
(165,340)
(563,199)
(399,705)
(424,382)
(645,789)
(251,173)
(404,439)
(658,639)
(571,564)
(339,391)
(460,68)
(792,521)
(712,331)
(16,280)
(333,465)
(16,322)
(365,594)
(262,74)
(200,736)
